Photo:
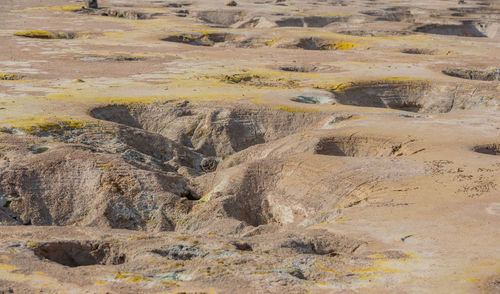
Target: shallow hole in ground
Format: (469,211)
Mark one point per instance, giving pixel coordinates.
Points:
(490,149)
(80,253)
(180,252)
(355,146)
(315,43)
(99,58)
(212,131)
(221,17)
(298,68)
(466,29)
(407,96)
(422,51)
(310,21)
(364,33)
(477,10)
(208,39)
(116,12)
(474,74)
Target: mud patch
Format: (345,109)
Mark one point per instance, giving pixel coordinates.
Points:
(474,74)
(208,39)
(315,97)
(80,253)
(491,149)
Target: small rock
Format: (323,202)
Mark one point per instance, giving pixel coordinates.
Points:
(232,3)
(208,164)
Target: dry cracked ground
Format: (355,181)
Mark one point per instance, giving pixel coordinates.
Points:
(261,146)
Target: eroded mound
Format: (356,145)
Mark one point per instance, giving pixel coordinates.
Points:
(92,186)
(83,253)
(491,149)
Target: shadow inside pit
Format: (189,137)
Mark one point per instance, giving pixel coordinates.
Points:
(75,253)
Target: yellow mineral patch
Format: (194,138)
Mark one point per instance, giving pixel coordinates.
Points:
(7,267)
(101,283)
(365,270)
(9,77)
(367,277)
(343,45)
(31,243)
(114,34)
(170,284)
(295,109)
(44,123)
(65,8)
(383,265)
(37,34)
(105,165)
(130,277)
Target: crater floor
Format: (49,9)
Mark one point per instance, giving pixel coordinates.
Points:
(281,146)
